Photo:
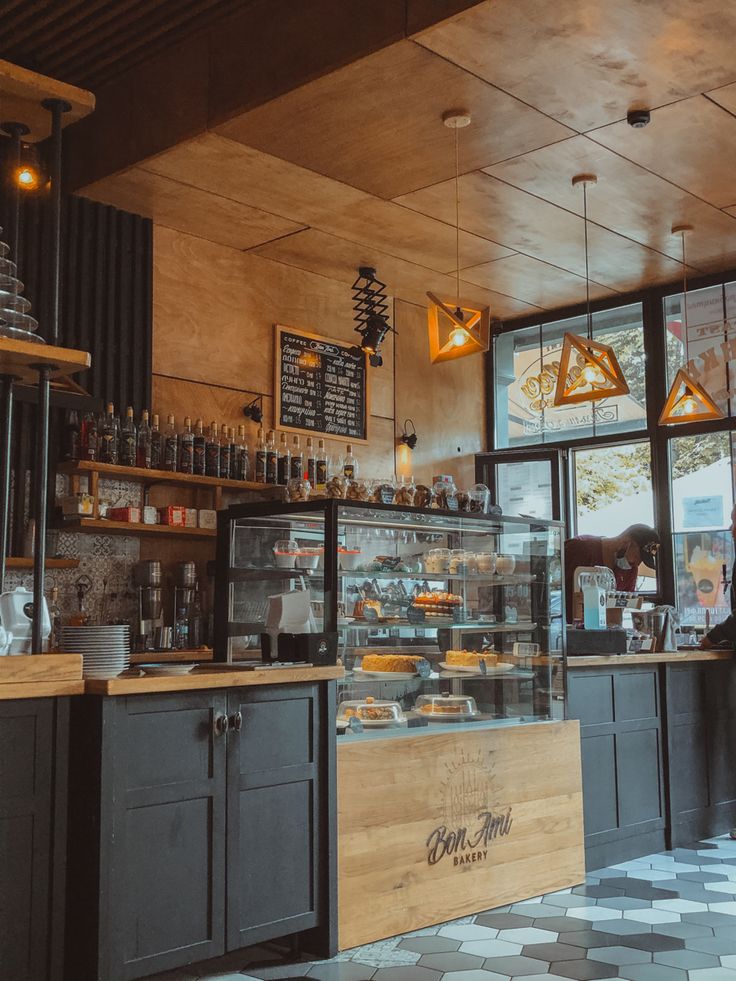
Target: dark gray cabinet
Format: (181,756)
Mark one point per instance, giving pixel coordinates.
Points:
(206,815)
(33,756)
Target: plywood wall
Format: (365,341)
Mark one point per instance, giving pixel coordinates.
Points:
(213,350)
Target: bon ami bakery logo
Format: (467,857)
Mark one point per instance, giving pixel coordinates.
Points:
(470,822)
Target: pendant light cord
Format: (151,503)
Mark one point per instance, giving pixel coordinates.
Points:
(684,300)
(587,265)
(457,214)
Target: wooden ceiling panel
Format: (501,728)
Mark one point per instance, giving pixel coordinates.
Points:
(189,209)
(377,123)
(691,143)
(227,168)
(536,282)
(725,96)
(539,229)
(586,62)
(339,259)
(627,199)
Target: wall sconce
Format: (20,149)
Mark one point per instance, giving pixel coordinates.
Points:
(254,409)
(409,438)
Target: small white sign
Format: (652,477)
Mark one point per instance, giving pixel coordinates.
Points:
(702,512)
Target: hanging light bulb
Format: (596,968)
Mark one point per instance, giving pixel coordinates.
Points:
(596,373)
(687,400)
(469,331)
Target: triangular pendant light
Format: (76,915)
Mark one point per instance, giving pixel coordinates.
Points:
(455,333)
(687,400)
(588,369)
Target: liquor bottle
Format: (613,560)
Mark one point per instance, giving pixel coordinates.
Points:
(128,439)
(311,463)
(243,461)
(89,447)
(234,454)
(143,453)
(171,445)
(284,471)
(297,460)
(72,436)
(181,630)
(109,445)
(54,641)
(196,621)
(321,467)
(350,464)
(261,454)
(200,450)
(272,459)
(186,447)
(224,453)
(212,452)
(157,445)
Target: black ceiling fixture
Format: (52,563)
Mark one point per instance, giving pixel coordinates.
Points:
(638,118)
(254,409)
(371,306)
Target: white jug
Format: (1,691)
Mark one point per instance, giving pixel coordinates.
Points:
(6,639)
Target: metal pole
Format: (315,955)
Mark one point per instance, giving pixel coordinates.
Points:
(56,108)
(6,433)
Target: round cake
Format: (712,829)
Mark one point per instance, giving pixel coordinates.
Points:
(471,659)
(438,604)
(399,663)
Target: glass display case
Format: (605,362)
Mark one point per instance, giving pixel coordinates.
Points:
(442,618)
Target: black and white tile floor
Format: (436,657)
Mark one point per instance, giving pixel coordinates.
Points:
(664,917)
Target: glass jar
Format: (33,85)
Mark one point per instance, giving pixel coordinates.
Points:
(423,496)
(357,490)
(480,499)
(437,560)
(298,489)
(486,562)
(445,495)
(406,492)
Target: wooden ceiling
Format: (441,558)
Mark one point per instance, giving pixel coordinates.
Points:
(356,168)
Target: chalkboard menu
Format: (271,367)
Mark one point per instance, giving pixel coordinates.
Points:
(321,386)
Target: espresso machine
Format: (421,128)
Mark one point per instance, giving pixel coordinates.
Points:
(151,631)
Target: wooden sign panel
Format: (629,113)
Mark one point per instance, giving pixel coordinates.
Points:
(436,826)
(321,386)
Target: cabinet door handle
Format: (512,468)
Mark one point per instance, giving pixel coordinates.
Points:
(236,721)
(222,723)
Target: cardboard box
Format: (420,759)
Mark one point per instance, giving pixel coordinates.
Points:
(76,504)
(190,517)
(150,515)
(124,514)
(173,514)
(207,518)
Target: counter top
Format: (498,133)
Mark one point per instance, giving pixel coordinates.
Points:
(40,675)
(623,660)
(210,678)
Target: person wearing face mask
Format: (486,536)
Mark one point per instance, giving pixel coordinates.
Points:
(725,632)
(622,555)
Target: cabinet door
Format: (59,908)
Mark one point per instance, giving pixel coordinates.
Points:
(26,755)
(273,848)
(165,864)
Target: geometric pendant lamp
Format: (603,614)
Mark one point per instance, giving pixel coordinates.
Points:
(456,330)
(589,370)
(687,400)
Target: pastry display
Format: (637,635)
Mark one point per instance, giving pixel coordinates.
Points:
(423,496)
(463,501)
(391,663)
(336,486)
(438,604)
(383,493)
(405,495)
(357,490)
(348,558)
(371,712)
(367,604)
(447,706)
(298,490)
(471,659)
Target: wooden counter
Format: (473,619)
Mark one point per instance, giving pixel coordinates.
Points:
(622,660)
(205,679)
(40,675)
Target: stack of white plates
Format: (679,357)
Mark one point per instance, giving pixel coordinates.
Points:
(105,650)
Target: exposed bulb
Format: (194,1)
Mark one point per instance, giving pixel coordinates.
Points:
(458,337)
(591,374)
(27,178)
(689,405)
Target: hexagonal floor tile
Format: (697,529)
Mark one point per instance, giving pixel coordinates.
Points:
(591,938)
(516,967)
(530,935)
(490,948)
(620,955)
(711,919)
(652,972)
(649,875)
(654,942)
(458,961)
(502,921)
(624,902)
(430,945)
(557,924)
(712,945)
(679,905)
(729,960)
(468,931)
(702,876)
(414,973)
(554,952)
(339,971)
(597,891)
(684,930)
(594,914)
(723,885)
(686,959)
(651,915)
(571,901)
(713,974)
(535,910)
(623,928)
(474,976)
(728,908)
(586,970)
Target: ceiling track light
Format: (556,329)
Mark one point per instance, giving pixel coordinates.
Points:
(26,172)
(254,409)
(589,370)
(370,303)
(456,329)
(687,400)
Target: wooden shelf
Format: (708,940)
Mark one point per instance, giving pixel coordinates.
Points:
(20,562)
(102,526)
(23,91)
(140,475)
(17,358)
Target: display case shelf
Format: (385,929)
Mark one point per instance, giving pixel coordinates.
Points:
(145,476)
(102,525)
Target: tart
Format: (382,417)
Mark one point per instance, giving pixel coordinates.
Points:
(399,663)
(471,659)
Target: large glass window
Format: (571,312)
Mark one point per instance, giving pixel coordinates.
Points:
(527,362)
(702,498)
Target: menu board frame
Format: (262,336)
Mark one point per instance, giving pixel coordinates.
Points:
(280,329)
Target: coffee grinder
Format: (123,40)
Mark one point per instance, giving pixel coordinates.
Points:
(185,581)
(147,576)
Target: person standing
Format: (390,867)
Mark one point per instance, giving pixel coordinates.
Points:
(725,632)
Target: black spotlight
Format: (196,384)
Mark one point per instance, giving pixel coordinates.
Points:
(410,438)
(254,409)
(371,305)
(638,118)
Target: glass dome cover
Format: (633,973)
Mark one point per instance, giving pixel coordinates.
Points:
(371,711)
(447,706)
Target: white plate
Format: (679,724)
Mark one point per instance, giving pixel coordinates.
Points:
(448,717)
(164,670)
(344,621)
(386,675)
(499,668)
(101,675)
